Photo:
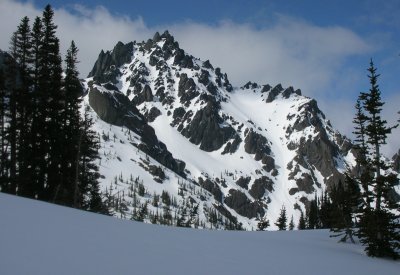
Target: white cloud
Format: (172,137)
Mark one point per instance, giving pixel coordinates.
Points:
(291,51)
(92,29)
(11,14)
(96,29)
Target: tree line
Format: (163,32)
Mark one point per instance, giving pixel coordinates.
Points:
(48,150)
(364,204)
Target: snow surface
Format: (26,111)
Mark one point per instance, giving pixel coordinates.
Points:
(41,238)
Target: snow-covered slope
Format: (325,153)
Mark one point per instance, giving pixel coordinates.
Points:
(172,122)
(41,238)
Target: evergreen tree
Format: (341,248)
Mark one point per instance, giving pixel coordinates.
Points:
(376,131)
(35,153)
(343,202)
(47,151)
(193,215)
(11,129)
(281,223)
(37,38)
(43,38)
(363,165)
(182,220)
(291,224)
(23,57)
(50,83)
(312,214)
(8,109)
(71,129)
(3,141)
(302,222)
(23,48)
(87,195)
(14,105)
(379,229)
(263,224)
(325,211)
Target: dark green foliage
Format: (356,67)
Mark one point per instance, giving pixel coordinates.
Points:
(194,215)
(11,133)
(23,57)
(48,151)
(379,228)
(281,223)
(156,200)
(88,170)
(360,121)
(344,200)
(183,219)
(165,198)
(376,130)
(142,213)
(3,140)
(167,217)
(302,222)
(141,190)
(73,131)
(34,154)
(52,110)
(262,224)
(313,215)
(326,208)
(379,233)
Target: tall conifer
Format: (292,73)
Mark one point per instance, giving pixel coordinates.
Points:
(23,57)
(379,229)
(50,107)
(88,176)
(36,154)
(3,141)
(71,126)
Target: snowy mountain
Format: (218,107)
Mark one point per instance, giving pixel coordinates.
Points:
(227,156)
(45,236)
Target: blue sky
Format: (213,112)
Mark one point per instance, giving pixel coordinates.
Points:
(322,47)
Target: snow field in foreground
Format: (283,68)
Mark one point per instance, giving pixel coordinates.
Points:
(41,238)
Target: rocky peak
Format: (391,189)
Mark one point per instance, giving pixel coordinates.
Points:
(106,68)
(274,92)
(157,37)
(250,85)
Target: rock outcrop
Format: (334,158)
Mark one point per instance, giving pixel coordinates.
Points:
(205,129)
(115,108)
(106,68)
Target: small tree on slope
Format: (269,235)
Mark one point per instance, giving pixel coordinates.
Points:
(263,224)
(302,222)
(281,223)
